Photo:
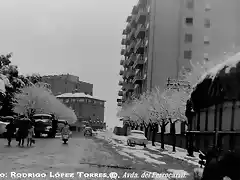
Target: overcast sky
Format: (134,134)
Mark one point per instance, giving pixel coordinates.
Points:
(80,37)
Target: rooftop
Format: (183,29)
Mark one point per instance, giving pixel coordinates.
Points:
(77,95)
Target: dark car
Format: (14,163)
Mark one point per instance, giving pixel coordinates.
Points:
(43,125)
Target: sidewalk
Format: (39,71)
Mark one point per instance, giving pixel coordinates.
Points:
(121,141)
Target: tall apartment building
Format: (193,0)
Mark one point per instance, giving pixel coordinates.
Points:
(162,36)
(67,83)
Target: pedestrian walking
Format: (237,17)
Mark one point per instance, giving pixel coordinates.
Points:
(10,132)
(30,136)
(22,135)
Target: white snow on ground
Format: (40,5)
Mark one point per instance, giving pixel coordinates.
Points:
(121,141)
(180,153)
(178,171)
(137,151)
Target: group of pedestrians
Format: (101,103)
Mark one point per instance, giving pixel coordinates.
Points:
(22,133)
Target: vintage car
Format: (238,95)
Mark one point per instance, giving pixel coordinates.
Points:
(43,125)
(88,131)
(137,137)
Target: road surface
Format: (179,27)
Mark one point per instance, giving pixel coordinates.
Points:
(50,159)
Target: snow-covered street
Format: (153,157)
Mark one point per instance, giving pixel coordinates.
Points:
(152,158)
(103,153)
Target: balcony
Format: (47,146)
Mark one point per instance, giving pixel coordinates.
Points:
(139,48)
(133,21)
(138,78)
(123,51)
(129,87)
(122,62)
(127,42)
(119,104)
(128,28)
(134,10)
(132,44)
(125,65)
(120,93)
(125,75)
(131,59)
(131,35)
(130,48)
(121,72)
(140,31)
(120,83)
(123,42)
(129,19)
(130,73)
(141,3)
(119,100)
(139,62)
(141,16)
(124,86)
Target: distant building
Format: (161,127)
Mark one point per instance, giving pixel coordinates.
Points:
(67,83)
(88,109)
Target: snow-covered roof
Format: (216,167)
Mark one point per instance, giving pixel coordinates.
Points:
(77,95)
(219,84)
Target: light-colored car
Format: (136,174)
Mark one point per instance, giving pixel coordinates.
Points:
(137,137)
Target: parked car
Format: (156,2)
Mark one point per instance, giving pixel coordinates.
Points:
(88,131)
(42,124)
(137,137)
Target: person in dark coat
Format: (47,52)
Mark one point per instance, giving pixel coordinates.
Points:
(10,132)
(22,133)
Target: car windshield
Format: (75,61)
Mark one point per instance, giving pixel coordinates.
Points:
(43,117)
(137,132)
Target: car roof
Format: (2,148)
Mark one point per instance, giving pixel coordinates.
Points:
(42,115)
(136,131)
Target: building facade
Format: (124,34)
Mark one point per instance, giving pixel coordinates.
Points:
(87,108)
(67,83)
(161,37)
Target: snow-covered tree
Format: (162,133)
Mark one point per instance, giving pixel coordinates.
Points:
(35,99)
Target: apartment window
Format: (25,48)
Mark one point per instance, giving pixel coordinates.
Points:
(188,38)
(207,23)
(188,54)
(206,40)
(190,4)
(189,21)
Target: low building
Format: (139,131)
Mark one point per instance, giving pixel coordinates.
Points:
(88,109)
(67,83)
